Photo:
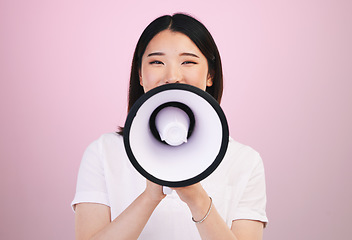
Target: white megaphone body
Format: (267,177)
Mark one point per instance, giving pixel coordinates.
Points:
(176,135)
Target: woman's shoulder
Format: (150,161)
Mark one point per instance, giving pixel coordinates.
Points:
(112,136)
(107,138)
(236,147)
(240,156)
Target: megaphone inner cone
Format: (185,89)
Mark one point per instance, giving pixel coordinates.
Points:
(172,123)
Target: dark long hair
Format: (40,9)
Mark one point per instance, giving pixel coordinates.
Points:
(197,32)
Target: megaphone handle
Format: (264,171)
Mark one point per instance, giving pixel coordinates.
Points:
(167,190)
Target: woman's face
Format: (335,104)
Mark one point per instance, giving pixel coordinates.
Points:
(172,57)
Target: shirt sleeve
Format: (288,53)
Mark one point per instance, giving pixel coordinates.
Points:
(91,184)
(252,204)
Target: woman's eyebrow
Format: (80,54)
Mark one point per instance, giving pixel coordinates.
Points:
(156,54)
(181,54)
(189,54)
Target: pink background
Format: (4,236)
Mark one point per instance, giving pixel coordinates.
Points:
(64,69)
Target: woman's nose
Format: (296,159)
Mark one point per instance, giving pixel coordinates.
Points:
(173,75)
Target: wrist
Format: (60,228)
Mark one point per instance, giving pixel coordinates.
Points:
(200,206)
(152,198)
(206,215)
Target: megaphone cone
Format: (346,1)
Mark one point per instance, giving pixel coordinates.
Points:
(176,135)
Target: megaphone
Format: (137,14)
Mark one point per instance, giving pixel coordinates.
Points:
(176,135)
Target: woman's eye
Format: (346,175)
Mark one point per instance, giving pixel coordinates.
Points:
(189,62)
(156,62)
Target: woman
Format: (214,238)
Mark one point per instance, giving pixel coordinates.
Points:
(113,201)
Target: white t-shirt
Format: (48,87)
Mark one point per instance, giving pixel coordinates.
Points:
(237,188)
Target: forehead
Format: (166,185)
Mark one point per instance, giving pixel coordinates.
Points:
(168,41)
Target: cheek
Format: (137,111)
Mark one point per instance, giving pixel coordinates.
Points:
(198,78)
(149,77)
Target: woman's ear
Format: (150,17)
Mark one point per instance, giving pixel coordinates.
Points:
(140,78)
(210,80)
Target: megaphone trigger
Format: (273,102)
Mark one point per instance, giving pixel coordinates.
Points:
(167,190)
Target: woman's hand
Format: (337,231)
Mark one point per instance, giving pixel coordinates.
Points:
(196,198)
(154,191)
(192,194)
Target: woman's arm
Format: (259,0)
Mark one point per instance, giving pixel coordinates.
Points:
(214,227)
(247,229)
(93,220)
